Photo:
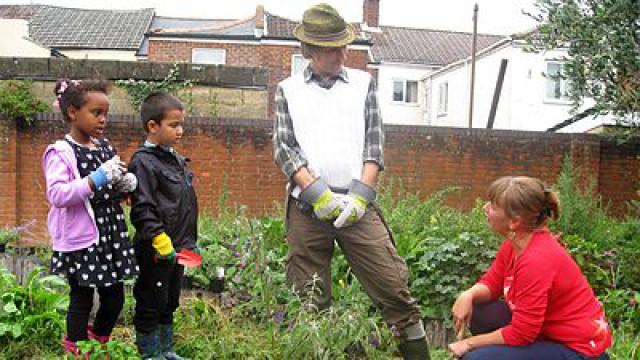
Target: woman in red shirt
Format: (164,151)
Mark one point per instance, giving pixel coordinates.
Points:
(548,310)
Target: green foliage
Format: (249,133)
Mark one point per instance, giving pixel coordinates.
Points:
(113,350)
(446,250)
(626,344)
(446,268)
(18,102)
(603,42)
(137,90)
(34,311)
(8,235)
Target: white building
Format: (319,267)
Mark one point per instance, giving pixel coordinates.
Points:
(16,41)
(532,98)
(82,33)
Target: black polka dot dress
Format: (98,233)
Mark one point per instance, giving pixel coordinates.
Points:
(112,259)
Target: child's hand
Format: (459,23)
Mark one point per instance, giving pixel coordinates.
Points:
(126,199)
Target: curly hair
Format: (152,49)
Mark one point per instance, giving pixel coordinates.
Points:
(74,93)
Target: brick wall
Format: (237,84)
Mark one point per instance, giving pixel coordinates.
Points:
(237,155)
(276,58)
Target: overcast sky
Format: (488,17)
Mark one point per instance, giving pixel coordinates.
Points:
(495,16)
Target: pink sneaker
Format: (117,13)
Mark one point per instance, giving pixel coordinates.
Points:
(102,339)
(69,346)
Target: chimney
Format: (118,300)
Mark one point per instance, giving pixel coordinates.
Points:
(371,13)
(259,19)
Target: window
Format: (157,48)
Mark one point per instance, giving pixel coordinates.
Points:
(443,98)
(208,56)
(405,91)
(298,64)
(555,85)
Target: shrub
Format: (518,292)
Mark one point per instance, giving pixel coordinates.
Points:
(18,102)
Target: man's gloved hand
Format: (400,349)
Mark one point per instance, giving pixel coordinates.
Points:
(164,248)
(110,172)
(355,203)
(128,183)
(326,205)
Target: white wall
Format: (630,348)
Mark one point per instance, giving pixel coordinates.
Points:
(15,41)
(101,54)
(395,112)
(522,105)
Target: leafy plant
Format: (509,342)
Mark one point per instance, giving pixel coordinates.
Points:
(138,90)
(33,311)
(114,350)
(18,102)
(13,234)
(8,235)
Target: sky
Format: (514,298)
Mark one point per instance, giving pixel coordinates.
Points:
(494,17)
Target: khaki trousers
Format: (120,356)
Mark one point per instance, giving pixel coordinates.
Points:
(369,250)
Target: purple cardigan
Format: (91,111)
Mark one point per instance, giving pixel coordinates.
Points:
(71,220)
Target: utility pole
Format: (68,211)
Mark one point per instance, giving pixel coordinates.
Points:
(473,62)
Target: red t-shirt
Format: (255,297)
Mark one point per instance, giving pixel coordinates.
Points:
(549,297)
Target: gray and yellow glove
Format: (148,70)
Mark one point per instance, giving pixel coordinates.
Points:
(162,244)
(326,205)
(355,203)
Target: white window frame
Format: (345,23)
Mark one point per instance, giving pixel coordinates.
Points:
(305,62)
(564,85)
(210,51)
(404,100)
(443,98)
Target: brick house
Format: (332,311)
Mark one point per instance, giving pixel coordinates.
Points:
(399,57)
(262,40)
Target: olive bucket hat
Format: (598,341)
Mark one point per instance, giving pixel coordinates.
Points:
(322,26)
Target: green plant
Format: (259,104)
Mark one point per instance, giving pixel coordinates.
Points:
(8,235)
(138,90)
(33,311)
(114,350)
(18,102)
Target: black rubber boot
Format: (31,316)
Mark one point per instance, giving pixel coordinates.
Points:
(149,346)
(415,349)
(166,343)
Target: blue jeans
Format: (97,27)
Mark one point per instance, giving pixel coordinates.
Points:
(492,316)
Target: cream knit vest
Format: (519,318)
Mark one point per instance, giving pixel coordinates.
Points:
(329,125)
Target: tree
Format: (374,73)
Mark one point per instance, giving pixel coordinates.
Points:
(602,38)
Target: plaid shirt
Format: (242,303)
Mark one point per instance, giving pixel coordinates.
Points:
(287,152)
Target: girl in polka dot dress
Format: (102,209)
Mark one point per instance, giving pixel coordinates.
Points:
(85,183)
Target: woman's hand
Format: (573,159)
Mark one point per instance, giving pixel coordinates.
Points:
(462,310)
(460,348)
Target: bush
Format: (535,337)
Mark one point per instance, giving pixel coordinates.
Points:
(18,102)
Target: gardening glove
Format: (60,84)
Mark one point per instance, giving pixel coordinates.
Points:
(164,248)
(127,184)
(108,173)
(355,203)
(326,205)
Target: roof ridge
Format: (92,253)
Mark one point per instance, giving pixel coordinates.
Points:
(192,18)
(441,30)
(225,25)
(101,10)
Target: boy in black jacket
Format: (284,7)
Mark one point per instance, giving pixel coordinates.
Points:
(164,212)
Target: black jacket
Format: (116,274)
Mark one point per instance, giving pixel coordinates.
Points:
(164,200)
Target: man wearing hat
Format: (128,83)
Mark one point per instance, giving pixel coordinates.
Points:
(328,140)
